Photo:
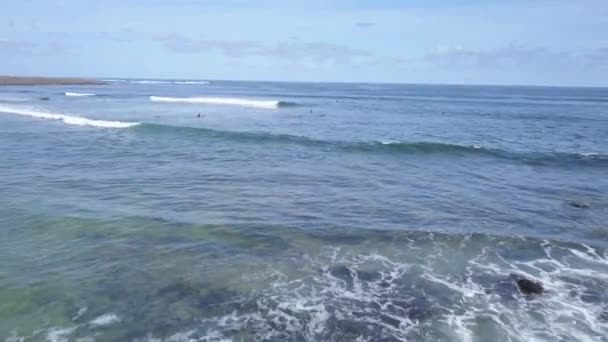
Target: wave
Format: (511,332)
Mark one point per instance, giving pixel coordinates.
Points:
(155,82)
(111,80)
(150,82)
(223,101)
(67,119)
(14,99)
(389,147)
(78,94)
(190,82)
(386,147)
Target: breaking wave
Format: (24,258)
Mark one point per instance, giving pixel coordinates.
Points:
(66,118)
(561,159)
(191,82)
(223,101)
(155,82)
(78,94)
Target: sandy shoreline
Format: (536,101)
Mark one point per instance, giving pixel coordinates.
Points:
(18,80)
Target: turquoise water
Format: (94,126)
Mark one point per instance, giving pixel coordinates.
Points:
(302,212)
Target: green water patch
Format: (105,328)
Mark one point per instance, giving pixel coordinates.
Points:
(130,278)
(27,310)
(98,242)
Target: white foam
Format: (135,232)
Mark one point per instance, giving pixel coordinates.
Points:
(465,289)
(191,82)
(59,335)
(14,99)
(78,94)
(149,82)
(81,312)
(115,81)
(168,82)
(67,119)
(218,101)
(106,319)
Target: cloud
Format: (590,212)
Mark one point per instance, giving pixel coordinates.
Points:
(398,60)
(287,50)
(15,48)
(597,58)
(364,24)
(123,35)
(512,55)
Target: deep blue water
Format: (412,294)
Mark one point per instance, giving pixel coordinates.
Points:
(302,212)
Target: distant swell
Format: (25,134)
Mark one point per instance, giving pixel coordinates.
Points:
(156,82)
(222,101)
(384,147)
(78,94)
(191,82)
(67,119)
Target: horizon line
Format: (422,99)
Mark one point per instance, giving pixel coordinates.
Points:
(98,78)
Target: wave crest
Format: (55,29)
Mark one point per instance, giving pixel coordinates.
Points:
(67,119)
(391,147)
(155,82)
(222,101)
(78,94)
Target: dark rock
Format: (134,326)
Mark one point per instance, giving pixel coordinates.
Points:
(45,99)
(527,286)
(578,205)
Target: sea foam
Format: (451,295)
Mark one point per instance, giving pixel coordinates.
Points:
(154,81)
(191,82)
(106,319)
(78,94)
(67,119)
(167,82)
(220,101)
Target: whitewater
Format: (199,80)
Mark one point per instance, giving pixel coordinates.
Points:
(66,118)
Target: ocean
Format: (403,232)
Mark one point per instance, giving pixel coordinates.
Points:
(147,210)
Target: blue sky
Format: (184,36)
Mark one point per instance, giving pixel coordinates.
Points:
(550,42)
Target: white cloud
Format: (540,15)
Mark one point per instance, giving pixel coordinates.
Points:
(286,50)
(512,55)
(364,24)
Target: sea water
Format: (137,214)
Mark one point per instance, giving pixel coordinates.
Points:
(150,210)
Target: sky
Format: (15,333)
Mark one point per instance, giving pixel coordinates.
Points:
(532,42)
